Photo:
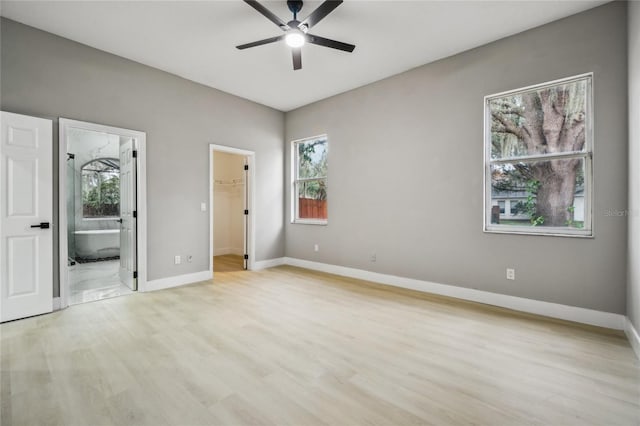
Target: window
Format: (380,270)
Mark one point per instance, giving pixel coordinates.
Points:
(309,194)
(538,151)
(101,188)
(513,207)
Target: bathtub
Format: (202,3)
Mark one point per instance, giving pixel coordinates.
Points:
(97,244)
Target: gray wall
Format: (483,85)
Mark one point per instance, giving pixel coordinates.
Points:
(406,170)
(393,146)
(48,76)
(633,290)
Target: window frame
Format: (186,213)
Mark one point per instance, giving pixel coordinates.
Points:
(295,219)
(586,155)
(503,207)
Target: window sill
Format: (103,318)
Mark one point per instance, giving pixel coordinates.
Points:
(310,222)
(540,231)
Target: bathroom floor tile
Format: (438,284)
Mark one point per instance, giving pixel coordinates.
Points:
(95,281)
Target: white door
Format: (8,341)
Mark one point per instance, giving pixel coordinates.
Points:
(127,213)
(26,237)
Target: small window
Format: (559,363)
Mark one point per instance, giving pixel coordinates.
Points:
(101,188)
(513,207)
(538,154)
(309,192)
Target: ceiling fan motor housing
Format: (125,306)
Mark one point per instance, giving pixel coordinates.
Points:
(294,6)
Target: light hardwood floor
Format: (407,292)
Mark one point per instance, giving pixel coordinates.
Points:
(292,347)
(227,263)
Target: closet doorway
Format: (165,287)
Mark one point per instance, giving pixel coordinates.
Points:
(231,213)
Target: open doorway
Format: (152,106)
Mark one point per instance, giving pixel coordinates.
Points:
(99,210)
(231,215)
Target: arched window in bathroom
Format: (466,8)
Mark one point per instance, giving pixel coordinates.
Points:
(101,188)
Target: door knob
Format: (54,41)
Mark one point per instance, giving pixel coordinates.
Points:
(120,220)
(43,225)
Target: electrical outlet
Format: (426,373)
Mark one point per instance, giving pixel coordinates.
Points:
(316,247)
(373,257)
(177,260)
(511,274)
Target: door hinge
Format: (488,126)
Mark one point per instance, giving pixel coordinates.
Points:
(135,274)
(246,167)
(246,257)
(135,213)
(134,153)
(246,212)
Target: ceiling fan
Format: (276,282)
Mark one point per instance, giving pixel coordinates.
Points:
(296,32)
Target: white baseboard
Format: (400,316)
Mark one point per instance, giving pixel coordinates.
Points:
(553,310)
(176,281)
(221,251)
(269,263)
(228,250)
(56,303)
(632,335)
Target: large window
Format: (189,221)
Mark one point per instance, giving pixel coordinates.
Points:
(101,188)
(309,194)
(538,153)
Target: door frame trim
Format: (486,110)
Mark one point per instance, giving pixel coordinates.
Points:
(141,199)
(251,157)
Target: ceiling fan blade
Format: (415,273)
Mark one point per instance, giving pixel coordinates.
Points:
(260,42)
(317,15)
(267,14)
(321,41)
(297,58)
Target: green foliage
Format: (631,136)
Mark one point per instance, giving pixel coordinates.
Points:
(312,163)
(529,205)
(110,191)
(312,159)
(571,222)
(102,199)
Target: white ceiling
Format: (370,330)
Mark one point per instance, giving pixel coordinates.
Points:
(196,39)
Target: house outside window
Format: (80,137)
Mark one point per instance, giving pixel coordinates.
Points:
(309,172)
(538,159)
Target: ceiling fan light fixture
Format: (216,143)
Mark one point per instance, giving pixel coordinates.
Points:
(296,32)
(295,38)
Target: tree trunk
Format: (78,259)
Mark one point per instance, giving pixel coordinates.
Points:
(553,122)
(556,191)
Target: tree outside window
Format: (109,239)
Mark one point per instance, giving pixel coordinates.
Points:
(538,154)
(310,180)
(101,188)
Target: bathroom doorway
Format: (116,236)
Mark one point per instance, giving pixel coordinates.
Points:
(99,202)
(231,213)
